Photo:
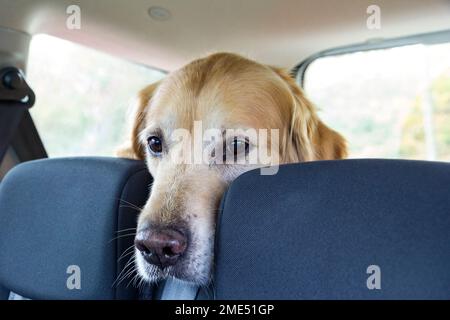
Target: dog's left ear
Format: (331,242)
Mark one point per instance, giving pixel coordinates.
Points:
(132,148)
(328,144)
(309,138)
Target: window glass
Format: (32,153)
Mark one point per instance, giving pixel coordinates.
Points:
(82,96)
(390,103)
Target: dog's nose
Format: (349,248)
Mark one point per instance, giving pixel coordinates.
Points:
(161,247)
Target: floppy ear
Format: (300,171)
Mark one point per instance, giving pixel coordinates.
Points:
(309,138)
(328,144)
(132,148)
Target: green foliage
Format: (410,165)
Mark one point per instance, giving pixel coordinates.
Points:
(413,135)
(376,100)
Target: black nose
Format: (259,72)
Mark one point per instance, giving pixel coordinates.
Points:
(161,247)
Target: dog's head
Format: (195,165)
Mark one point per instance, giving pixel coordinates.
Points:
(218,94)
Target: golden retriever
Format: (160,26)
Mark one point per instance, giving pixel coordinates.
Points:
(221,92)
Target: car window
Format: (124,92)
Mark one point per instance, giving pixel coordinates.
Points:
(389,103)
(82,96)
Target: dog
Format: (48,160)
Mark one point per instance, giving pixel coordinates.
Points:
(223,91)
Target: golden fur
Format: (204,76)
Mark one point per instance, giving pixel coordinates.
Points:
(222,90)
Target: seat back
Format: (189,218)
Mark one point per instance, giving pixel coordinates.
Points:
(351,229)
(66,222)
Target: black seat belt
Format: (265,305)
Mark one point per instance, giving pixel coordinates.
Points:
(16,97)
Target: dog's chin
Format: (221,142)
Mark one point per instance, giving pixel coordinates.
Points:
(151,273)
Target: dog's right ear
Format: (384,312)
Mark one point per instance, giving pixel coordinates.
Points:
(132,148)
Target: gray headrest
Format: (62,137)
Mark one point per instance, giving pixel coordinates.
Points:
(59,219)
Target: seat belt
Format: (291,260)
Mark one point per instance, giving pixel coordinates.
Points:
(15,98)
(175,289)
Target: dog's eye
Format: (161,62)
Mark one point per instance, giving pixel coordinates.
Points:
(155,145)
(240,146)
(235,148)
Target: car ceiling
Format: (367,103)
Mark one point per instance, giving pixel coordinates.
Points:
(276,32)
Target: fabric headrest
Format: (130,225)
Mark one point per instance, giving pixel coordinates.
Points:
(63,212)
(337,230)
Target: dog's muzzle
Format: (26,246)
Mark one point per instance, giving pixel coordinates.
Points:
(161,247)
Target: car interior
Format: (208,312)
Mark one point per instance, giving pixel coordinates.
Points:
(375,226)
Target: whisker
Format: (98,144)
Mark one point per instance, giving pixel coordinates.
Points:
(122,236)
(130,261)
(126,275)
(126,252)
(125,255)
(141,285)
(130,207)
(131,204)
(128,229)
(134,280)
(129,273)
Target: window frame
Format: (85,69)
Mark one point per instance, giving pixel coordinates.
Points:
(299,71)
